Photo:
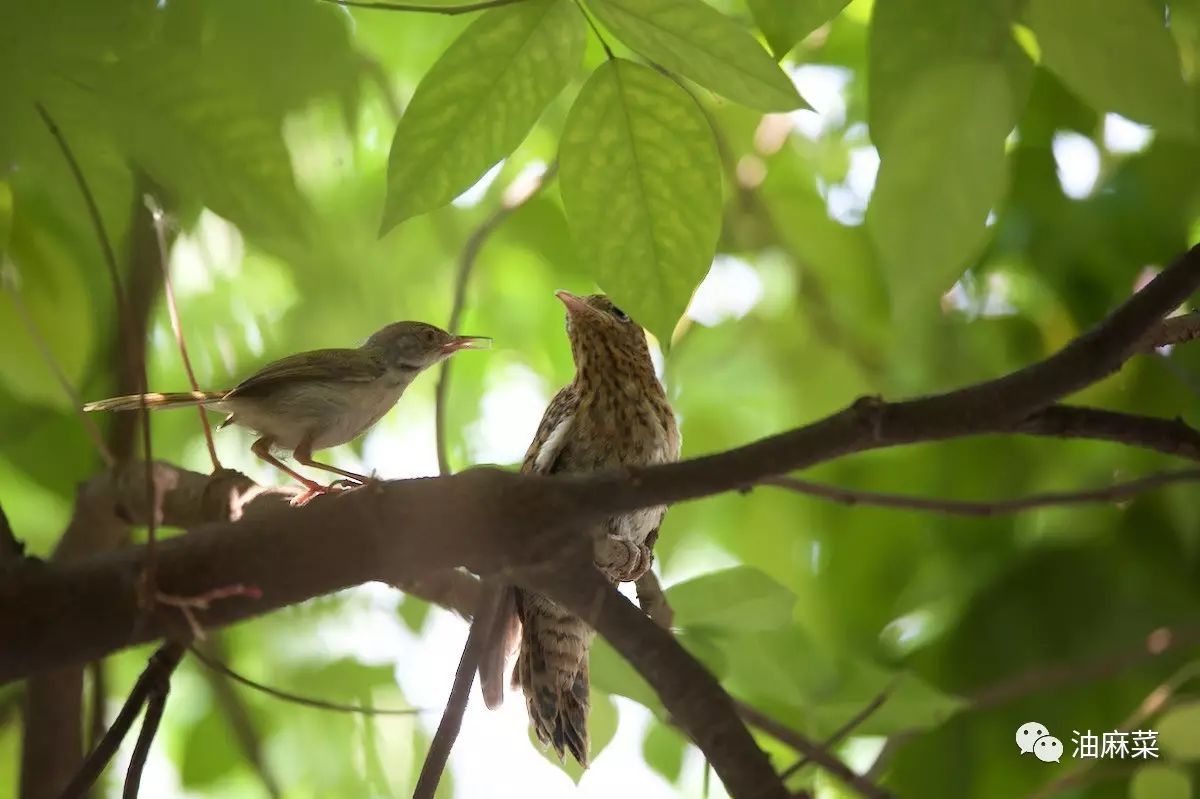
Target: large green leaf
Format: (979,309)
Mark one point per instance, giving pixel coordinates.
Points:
(641,183)
(698,42)
(1179,732)
(739,599)
(1118,56)
(479,101)
(942,173)
(785,22)
(1160,781)
(663,749)
(910,37)
(59,307)
(201,135)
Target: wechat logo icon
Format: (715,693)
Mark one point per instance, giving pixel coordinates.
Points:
(1033,737)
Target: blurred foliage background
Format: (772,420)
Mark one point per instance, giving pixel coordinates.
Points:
(976,182)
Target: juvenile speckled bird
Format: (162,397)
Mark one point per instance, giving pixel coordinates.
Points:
(614,413)
(319,399)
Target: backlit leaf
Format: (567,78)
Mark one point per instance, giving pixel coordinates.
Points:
(698,42)
(1118,56)
(641,183)
(479,101)
(942,173)
(785,22)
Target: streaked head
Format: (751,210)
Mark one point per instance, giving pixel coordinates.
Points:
(413,346)
(603,335)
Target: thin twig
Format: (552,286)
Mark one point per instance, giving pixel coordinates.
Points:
(418,8)
(466,263)
(841,732)
(123,321)
(1113,493)
(141,750)
(320,704)
(160,236)
(460,694)
(89,424)
(156,674)
(812,750)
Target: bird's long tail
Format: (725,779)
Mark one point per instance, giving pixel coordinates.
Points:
(179,399)
(552,670)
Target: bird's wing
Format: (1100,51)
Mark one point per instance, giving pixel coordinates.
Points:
(552,434)
(343,365)
(541,458)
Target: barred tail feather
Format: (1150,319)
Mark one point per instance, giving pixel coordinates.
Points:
(155,401)
(552,670)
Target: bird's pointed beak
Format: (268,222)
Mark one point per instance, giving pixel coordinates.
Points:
(575,304)
(466,343)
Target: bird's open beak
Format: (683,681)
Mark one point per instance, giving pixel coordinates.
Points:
(466,343)
(575,305)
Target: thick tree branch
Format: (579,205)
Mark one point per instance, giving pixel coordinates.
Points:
(516,525)
(1168,436)
(688,691)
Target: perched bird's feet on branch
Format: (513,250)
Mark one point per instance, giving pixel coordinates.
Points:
(621,560)
(310,491)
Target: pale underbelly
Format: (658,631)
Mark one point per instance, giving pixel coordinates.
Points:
(323,415)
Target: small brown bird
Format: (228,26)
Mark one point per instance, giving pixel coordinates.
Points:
(615,413)
(319,399)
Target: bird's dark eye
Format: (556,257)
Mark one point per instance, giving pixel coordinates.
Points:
(619,314)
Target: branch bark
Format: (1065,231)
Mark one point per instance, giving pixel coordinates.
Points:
(518,526)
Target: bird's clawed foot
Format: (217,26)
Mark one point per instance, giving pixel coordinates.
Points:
(621,560)
(312,490)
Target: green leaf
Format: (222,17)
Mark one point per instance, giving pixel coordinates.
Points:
(1179,732)
(60,307)
(602,726)
(941,174)
(641,184)
(1079,40)
(1160,782)
(698,42)
(663,749)
(785,22)
(738,599)
(210,752)
(479,101)
(202,135)
(612,673)
(911,37)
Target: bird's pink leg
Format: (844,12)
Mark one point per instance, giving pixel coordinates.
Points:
(303,454)
(262,448)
